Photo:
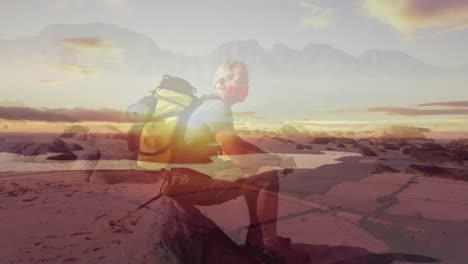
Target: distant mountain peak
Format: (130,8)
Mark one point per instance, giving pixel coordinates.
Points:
(250,44)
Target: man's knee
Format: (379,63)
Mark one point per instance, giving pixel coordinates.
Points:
(267,180)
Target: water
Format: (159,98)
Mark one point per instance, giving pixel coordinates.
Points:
(17,163)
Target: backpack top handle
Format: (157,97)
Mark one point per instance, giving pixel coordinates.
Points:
(177,84)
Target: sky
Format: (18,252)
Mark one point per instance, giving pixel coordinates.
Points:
(82,71)
(431,30)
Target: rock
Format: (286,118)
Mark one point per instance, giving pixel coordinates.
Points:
(455,145)
(436,157)
(58,145)
(460,141)
(408,150)
(403,143)
(64,156)
(363,141)
(179,233)
(330,149)
(304,147)
(31,148)
(432,170)
(390,146)
(71,131)
(460,153)
(366,151)
(346,140)
(381,168)
(74,146)
(432,147)
(322,140)
(340,145)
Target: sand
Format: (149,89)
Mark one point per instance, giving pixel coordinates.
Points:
(338,210)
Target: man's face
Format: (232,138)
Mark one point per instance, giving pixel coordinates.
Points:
(236,89)
(240,77)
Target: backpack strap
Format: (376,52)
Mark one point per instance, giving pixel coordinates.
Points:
(178,138)
(212,96)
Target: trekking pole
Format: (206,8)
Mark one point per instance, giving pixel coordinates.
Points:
(142,205)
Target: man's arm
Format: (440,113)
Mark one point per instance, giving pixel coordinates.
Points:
(232,144)
(238,149)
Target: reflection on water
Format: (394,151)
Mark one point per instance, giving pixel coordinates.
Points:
(223,164)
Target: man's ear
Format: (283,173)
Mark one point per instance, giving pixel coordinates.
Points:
(221,83)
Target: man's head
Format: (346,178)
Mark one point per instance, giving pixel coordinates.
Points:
(231,81)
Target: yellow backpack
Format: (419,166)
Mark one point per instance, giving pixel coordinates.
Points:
(161,120)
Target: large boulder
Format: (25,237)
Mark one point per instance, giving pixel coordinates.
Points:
(58,145)
(178,233)
(366,151)
(437,171)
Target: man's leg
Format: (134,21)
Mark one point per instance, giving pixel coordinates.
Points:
(261,196)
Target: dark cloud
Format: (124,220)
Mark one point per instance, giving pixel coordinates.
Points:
(62,115)
(419,18)
(417,112)
(435,7)
(447,104)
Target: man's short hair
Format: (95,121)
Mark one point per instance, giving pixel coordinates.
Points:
(226,69)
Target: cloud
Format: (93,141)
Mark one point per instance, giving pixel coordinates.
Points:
(77,69)
(419,18)
(417,112)
(319,18)
(118,6)
(447,104)
(61,115)
(93,45)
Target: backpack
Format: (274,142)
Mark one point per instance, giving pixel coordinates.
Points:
(157,137)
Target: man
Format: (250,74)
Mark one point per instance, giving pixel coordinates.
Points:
(211,126)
